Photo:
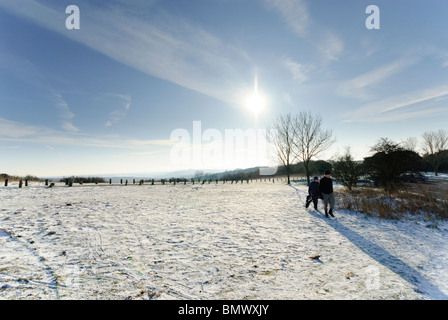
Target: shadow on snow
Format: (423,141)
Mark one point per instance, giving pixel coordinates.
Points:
(422,285)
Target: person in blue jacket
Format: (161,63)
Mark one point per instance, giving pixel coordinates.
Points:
(313,193)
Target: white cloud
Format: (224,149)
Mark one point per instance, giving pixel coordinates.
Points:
(121,105)
(68,126)
(26,71)
(357,87)
(330,47)
(161,45)
(294,12)
(298,71)
(396,108)
(14,131)
(65,115)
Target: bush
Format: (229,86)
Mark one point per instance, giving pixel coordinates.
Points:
(378,203)
(84,179)
(389,162)
(347,171)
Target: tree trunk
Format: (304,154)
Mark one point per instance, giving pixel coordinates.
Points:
(306,164)
(288,170)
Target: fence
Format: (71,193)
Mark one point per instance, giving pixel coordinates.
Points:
(173,181)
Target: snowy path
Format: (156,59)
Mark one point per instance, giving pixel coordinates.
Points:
(250,241)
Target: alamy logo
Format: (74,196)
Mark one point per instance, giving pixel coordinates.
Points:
(72,281)
(372,278)
(73,20)
(373,21)
(236,147)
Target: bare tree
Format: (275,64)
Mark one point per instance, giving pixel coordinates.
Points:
(282,136)
(311,139)
(410,144)
(347,170)
(433,143)
(198,174)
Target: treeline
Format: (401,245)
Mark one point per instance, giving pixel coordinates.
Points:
(316,168)
(4,176)
(82,180)
(390,164)
(297,169)
(441,167)
(397,161)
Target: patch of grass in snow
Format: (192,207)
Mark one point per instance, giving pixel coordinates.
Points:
(375,202)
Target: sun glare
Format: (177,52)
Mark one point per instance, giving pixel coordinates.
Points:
(255,103)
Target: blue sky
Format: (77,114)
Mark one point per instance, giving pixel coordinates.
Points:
(105,99)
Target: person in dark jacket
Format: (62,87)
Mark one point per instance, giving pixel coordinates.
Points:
(326,189)
(313,193)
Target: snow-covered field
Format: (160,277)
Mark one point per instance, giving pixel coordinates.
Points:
(212,241)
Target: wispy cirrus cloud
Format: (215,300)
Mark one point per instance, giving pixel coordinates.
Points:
(64,113)
(294,12)
(29,73)
(298,71)
(13,130)
(330,47)
(358,87)
(121,104)
(162,45)
(17,132)
(401,107)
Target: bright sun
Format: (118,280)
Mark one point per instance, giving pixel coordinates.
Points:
(255,103)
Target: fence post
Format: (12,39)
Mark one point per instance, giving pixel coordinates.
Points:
(6,182)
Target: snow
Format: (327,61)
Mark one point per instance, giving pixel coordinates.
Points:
(211,241)
(440,176)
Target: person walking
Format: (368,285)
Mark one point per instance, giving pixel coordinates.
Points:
(313,193)
(326,189)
